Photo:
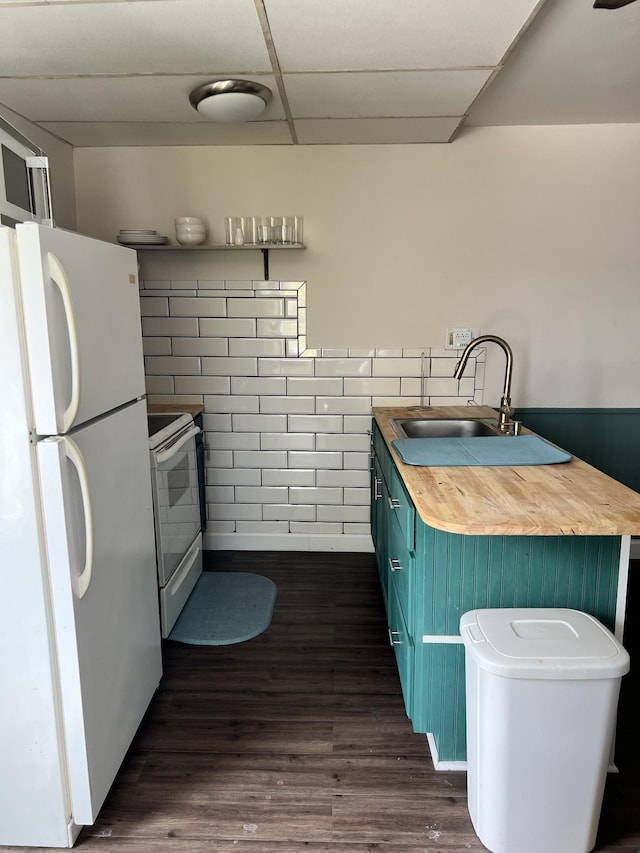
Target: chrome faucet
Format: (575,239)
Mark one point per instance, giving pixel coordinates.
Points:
(505,411)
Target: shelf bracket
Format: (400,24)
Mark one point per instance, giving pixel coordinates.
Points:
(265,258)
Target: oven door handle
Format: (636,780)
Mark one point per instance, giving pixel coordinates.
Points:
(165,455)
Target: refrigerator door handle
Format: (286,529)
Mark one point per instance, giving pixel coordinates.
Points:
(81,581)
(59,278)
(165,455)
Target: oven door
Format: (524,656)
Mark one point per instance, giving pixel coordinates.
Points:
(176,500)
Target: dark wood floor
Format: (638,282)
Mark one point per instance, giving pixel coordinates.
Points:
(297,740)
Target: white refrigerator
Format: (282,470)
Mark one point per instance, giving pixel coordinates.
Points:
(79,626)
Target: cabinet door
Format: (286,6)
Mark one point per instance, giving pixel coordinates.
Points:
(403,647)
(379,521)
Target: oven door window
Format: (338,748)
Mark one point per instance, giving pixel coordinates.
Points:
(178,499)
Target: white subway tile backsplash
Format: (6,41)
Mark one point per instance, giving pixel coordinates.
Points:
(217,423)
(159,384)
(219,494)
(304,459)
(287,441)
(315,496)
(346,479)
(260,458)
(256,347)
(265,386)
(316,386)
(181,306)
(232,476)
(287,405)
(355,514)
(200,346)
(396,367)
(372,387)
(285,367)
(222,527)
(259,423)
(225,327)
(171,365)
(342,405)
(235,512)
(209,284)
(177,284)
(233,440)
(288,428)
(315,423)
(357,497)
(256,307)
(357,530)
(157,284)
(357,460)
(229,366)
(315,528)
(289,477)
(154,306)
(156,346)
(221,458)
(261,528)
(261,494)
(343,366)
(226,402)
(276,328)
(202,385)
(340,441)
(170,326)
(287,512)
(358,423)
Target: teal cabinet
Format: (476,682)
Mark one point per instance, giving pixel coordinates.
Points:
(430,578)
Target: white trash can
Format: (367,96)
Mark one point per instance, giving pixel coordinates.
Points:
(542,691)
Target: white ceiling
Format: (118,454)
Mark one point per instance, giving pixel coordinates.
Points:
(341,71)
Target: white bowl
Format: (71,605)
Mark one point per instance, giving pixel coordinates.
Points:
(190,238)
(187,221)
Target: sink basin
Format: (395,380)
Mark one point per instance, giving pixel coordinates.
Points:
(444,428)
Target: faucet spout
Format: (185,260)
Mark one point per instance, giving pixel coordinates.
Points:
(505,411)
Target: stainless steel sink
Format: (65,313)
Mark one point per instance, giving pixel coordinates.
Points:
(444,428)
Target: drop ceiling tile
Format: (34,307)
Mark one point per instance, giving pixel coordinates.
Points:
(593,75)
(324,35)
(169,36)
(375,131)
(133,99)
(383,94)
(88,134)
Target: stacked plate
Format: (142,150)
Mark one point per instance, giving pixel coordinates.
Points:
(140,237)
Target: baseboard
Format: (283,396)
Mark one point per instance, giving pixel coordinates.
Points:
(286,542)
(634,554)
(442,765)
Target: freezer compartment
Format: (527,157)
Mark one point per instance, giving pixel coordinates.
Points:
(82,326)
(174,595)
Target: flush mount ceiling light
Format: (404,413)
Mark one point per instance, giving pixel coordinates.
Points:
(230,100)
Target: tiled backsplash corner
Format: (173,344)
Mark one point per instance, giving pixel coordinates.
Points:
(287,428)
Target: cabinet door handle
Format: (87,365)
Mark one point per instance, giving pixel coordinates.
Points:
(392,636)
(394,503)
(376,486)
(394,564)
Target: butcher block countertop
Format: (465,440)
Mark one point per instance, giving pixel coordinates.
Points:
(567,499)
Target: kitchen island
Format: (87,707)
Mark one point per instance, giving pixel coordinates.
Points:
(452,539)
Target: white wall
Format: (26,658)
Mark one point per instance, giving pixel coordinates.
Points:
(525,232)
(60,156)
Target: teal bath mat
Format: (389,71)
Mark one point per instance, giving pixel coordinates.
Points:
(225,608)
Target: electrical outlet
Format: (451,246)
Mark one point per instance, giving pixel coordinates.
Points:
(458,338)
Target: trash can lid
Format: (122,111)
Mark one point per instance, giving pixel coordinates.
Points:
(544,643)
